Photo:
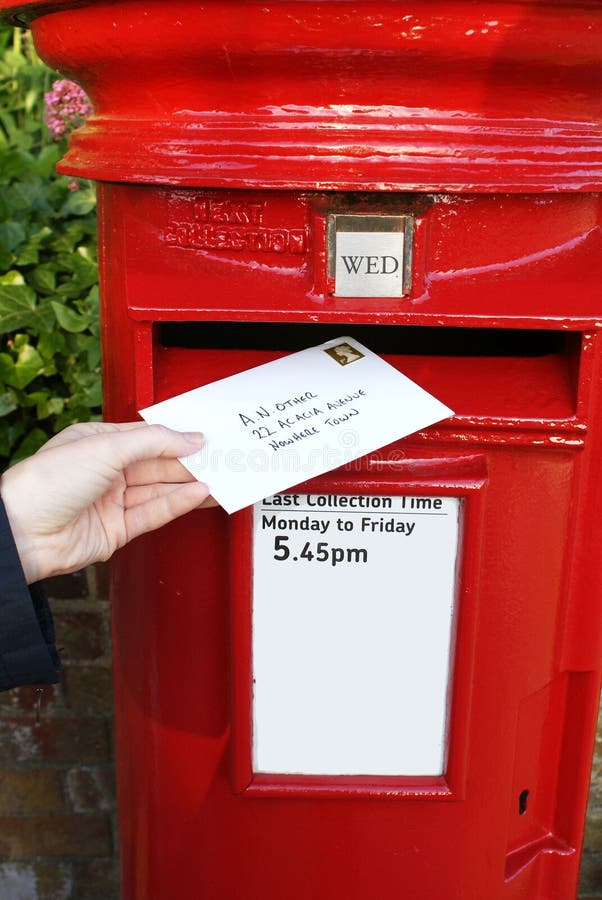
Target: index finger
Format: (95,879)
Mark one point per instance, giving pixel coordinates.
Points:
(87,429)
(120,449)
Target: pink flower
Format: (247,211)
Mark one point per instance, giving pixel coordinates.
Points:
(66,107)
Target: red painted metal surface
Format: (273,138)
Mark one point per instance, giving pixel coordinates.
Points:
(525,442)
(225,133)
(416,95)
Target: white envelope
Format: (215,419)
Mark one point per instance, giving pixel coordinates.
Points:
(276,425)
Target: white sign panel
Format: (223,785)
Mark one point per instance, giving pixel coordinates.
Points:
(353,601)
(369,264)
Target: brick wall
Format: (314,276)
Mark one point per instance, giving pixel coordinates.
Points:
(57,802)
(57,799)
(591,868)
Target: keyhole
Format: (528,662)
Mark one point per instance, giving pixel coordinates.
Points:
(523,799)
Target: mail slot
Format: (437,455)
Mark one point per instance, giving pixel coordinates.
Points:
(382,681)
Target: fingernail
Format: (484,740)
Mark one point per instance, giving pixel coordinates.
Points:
(194,437)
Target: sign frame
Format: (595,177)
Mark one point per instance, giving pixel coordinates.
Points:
(375,225)
(463,478)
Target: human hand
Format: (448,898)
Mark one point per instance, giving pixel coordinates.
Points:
(94,487)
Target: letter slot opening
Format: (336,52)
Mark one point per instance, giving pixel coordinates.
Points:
(502,373)
(406,340)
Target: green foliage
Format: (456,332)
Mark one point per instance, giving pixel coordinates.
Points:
(49,329)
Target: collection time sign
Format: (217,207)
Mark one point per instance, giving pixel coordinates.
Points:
(353,605)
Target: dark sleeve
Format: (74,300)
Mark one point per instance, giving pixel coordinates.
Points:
(27,651)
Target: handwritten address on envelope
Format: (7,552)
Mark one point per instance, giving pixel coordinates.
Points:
(274,426)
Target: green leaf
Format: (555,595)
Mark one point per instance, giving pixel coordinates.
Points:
(6,258)
(24,195)
(66,242)
(33,398)
(43,278)
(42,319)
(89,345)
(15,163)
(30,443)
(31,98)
(29,364)
(9,435)
(8,403)
(52,406)
(19,341)
(79,202)
(12,234)
(12,277)
(46,404)
(46,160)
(94,395)
(16,296)
(7,368)
(28,255)
(52,345)
(17,301)
(69,319)
(85,274)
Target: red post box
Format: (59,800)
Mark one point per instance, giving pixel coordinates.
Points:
(346,707)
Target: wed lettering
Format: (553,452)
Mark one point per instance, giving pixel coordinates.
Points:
(370,265)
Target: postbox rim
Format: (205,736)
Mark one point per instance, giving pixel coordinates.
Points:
(326,101)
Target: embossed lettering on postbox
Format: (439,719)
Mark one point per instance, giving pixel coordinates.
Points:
(370,256)
(232,225)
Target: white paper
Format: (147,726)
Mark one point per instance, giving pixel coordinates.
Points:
(353,600)
(276,425)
